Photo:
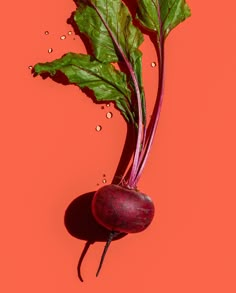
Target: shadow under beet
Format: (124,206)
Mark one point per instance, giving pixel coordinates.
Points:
(81,224)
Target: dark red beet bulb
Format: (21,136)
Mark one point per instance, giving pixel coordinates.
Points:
(121,209)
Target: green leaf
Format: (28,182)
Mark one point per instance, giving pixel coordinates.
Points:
(101,18)
(107,83)
(109,26)
(162,15)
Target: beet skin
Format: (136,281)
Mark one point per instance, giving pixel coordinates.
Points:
(121,209)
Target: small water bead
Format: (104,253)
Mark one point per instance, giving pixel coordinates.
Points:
(63,37)
(153,64)
(50,50)
(98,128)
(109,115)
(46,32)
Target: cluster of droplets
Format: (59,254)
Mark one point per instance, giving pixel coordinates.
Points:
(104,180)
(98,128)
(109,115)
(62,37)
(50,50)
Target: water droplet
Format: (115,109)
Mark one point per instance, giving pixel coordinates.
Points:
(70,33)
(109,115)
(108,105)
(63,37)
(98,128)
(153,64)
(46,32)
(30,67)
(50,50)
(104,181)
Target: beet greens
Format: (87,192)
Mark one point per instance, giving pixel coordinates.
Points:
(116,38)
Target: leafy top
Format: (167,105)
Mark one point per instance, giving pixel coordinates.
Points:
(107,26)
(162,15)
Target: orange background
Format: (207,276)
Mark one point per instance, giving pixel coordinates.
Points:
(51,153)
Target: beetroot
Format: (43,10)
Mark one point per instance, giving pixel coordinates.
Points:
(121,209)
